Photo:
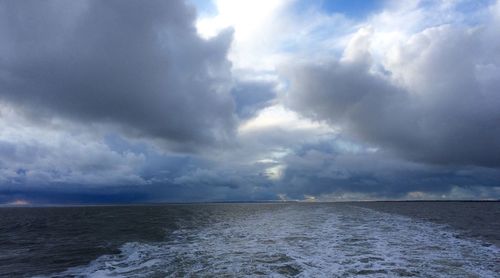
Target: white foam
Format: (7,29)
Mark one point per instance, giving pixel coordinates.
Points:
(306,241)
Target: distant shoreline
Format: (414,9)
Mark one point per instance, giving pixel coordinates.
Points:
(237,202)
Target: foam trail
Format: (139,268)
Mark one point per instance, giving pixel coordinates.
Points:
(304,241)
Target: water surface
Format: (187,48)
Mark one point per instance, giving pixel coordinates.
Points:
(228,240)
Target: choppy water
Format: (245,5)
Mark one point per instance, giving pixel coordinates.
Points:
(234,240)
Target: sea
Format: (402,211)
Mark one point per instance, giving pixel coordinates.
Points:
(358,239)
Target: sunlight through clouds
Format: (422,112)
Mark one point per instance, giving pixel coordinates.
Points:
(236,99)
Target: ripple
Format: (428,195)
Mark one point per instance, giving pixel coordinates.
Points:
(304,241)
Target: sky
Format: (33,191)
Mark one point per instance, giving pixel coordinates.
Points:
(125,101)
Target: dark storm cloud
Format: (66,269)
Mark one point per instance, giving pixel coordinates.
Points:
(252,96)
(326,170)
(137,64)
(437,101)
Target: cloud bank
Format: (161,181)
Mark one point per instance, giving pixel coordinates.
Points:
(132,101)
(138,65)
(432,98)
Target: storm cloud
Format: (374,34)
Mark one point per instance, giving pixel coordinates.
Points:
(433,98)
(138,65)
(353,173)
(153,101)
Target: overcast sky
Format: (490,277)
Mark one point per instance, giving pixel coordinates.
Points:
(230,100)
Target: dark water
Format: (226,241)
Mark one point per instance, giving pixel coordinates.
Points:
(419,239)
(473,219)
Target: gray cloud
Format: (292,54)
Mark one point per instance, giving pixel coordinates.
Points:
(63,159)
(139,65)
(326,169)
(82,83)
(436,100)
(252,96)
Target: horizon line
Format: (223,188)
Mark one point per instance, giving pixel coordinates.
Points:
(35,205)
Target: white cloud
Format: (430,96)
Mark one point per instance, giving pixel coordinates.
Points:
(431,95)
(254,24)
(278,117)
(268,33)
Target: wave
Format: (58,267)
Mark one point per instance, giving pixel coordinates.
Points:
(304,241)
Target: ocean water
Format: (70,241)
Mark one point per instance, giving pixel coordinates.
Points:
(416,239)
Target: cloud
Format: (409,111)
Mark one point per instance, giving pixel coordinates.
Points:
(255,23)
(140,66)
(331,171)
(252,96)
(62,155)
(150,103)
(432,98)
